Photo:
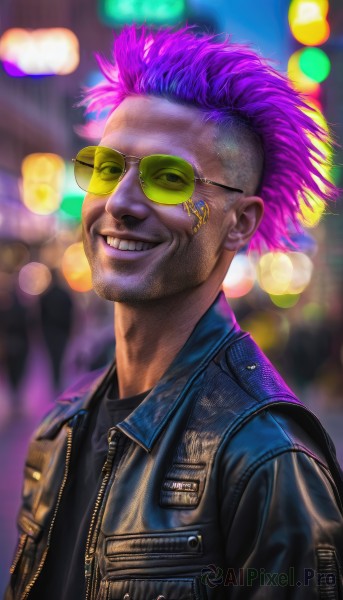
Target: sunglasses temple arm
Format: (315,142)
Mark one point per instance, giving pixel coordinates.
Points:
(225,187)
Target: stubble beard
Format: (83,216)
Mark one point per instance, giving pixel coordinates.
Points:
(164,282)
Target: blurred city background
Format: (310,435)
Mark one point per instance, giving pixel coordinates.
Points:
(53,326)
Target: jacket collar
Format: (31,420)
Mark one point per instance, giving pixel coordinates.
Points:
(146,422)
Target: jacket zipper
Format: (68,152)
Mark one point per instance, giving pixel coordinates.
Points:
(66,471)
(21,545)
(92,533)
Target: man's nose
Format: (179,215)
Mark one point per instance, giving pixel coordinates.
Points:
(128,199)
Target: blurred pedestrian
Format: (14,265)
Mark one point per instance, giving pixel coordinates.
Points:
(56,307)
(14,342)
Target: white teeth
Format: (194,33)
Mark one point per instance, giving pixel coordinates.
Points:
(124,245)
(128,244)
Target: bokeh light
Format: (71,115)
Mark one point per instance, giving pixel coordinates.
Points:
(43,176)
(52,51)
(280,274)
(76,269)
(315,64)
(285,300)
(274,272)
(34,278)
(301,274)
(307,21)
(240,278)
(299,80)
(312,34)
(307,11)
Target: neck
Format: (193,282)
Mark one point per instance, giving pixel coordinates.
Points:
(150,335)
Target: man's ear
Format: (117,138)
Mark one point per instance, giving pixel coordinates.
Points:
(248,214)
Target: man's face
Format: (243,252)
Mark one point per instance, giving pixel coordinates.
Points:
(175,260)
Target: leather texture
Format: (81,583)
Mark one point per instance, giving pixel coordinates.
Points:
(221,484)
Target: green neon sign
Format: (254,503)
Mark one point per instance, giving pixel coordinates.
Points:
(72,196)
(153,12)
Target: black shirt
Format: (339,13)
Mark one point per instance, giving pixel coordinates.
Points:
(63,576)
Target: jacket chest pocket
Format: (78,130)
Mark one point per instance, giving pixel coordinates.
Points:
(154,546)
(25,555)
(181,588)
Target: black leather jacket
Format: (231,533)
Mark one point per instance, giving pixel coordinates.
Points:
(219,485)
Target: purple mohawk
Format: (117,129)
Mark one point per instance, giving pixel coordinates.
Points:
(227,81)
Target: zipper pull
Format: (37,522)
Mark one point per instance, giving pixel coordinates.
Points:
(88,565)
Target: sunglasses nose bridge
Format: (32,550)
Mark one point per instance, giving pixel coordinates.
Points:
(131,160)
(134,160)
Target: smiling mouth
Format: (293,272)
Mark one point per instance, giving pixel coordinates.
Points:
(131,245)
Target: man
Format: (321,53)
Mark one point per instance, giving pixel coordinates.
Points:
(187,469)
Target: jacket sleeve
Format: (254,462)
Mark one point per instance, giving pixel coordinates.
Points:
(283,530)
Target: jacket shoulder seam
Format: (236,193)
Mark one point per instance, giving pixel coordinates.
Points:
(250,471)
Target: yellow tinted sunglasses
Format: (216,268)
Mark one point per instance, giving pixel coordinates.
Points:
(164,178)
